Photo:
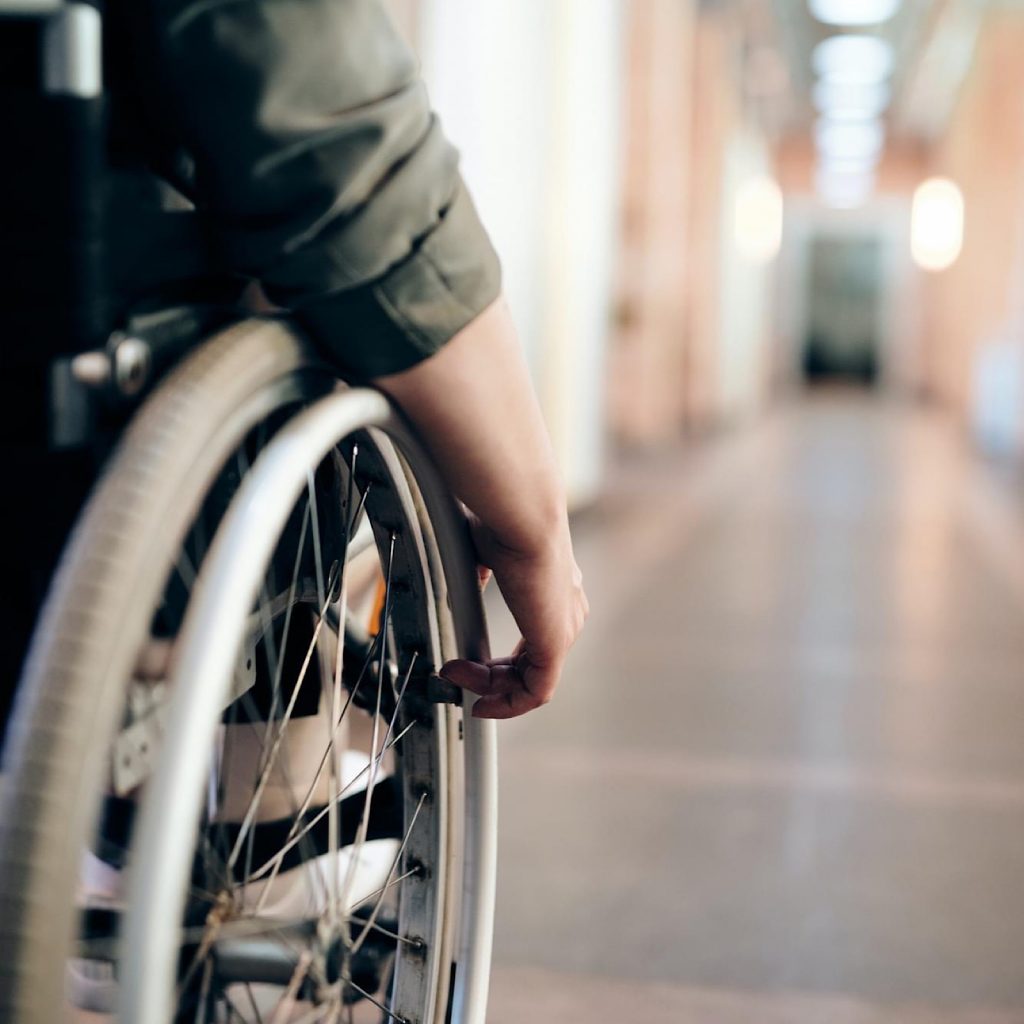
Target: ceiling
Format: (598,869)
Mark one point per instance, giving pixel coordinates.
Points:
(932,44)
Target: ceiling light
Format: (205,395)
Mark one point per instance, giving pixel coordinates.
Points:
(848,114)
(847,168)
(859,177)
(854,140)
(853,12)
(846,100)
(845,191)
(852,59)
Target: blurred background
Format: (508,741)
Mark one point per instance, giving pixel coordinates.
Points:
(766,261)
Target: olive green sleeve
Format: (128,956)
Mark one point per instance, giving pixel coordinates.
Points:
(325,174)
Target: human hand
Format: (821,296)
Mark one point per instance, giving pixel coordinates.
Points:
(543,588)
(474,407)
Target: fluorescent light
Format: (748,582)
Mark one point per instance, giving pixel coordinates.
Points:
(853,178)
(845,191)
(853,12)
(848,114)
(853,59)
(937,224)
(854,140)
(758,219)
(846,168)
(846,100)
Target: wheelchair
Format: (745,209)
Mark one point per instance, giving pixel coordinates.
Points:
(234,787)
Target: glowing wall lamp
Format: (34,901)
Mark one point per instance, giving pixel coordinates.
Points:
(758,219)
(853,12)
(937,224)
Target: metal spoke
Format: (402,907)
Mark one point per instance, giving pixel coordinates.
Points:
(375,761)
(307,800)
(336,718)
(309,516)
(268,625)
(210,930)
(404,939)
(317,551)
(250,926)
(372,780)
(398,699)
(366,995)
(316,819)
(204,993)
(214,862)
(394,864)
(331,923)
(287,1003)
(236,1012)
(389,885)
(252,712)
(252,1003)
(275,749)
(323,596)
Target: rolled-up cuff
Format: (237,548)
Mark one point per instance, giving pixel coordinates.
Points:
(409,313)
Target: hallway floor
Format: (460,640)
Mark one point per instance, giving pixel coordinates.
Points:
(784,778)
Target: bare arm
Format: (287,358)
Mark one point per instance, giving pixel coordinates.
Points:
(474,407)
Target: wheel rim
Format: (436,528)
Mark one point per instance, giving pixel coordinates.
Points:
(423,864)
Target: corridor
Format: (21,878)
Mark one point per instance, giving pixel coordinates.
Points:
(784,778)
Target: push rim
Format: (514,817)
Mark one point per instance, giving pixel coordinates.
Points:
(418,622)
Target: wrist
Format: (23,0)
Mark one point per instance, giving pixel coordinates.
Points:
(539,532)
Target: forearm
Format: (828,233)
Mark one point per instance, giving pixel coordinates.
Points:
(475,408)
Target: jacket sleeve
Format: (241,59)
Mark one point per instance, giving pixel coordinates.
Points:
(324,173)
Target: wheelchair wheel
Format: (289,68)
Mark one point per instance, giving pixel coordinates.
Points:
(235,788)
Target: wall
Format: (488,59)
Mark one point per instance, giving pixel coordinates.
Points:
(693,338)
(975,309)
(647,362)
(604,141)
(529,92)
(716,112)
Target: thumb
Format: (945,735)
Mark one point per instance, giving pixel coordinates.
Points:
(470,675)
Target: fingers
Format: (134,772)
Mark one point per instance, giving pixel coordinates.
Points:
(512,704)
(506,687)
(533,687)
(482,680)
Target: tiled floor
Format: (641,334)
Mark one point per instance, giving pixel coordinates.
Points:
(784,778)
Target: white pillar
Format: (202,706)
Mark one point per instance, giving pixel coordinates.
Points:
(529,90)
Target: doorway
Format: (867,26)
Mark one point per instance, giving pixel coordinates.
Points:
(844,296)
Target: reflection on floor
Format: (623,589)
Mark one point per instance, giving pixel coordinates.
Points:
(784,779)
